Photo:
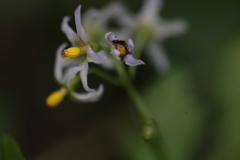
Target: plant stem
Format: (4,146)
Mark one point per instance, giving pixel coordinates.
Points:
(105,76)
(123,76)
(156,144)
(136,98)
(142,37)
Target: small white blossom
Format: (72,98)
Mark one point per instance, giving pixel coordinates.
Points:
(123,51)
(87,55)
(159,30)
(66,70)
(96,22)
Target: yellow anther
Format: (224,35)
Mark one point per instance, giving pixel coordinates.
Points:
(56,97)
(122,50)
(70,53)
(73,52)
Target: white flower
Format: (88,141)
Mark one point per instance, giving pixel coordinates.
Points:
(149,21)
(96,23)
(64,72)
(123,51)
(78,58)
(80,40)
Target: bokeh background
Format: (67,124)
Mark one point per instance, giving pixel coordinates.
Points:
(196,104)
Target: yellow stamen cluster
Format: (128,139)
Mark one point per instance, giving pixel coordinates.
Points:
(73,52)
(70,53)
(123,51)
(56,97)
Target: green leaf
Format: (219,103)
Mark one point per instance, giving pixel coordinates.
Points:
(234,154)
(9,149)
(227,91)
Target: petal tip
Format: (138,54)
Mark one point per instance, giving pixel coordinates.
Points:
(131,61)
(107,34)
(110,36)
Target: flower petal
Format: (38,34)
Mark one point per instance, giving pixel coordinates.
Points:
(150,9)
(112,11)
(130,45)
(89,96)
(110,36)
(157,57)
(61,65)
(117,11)
(108,63)
(131,61)
(83,76)
(71,35)
(171,28)
(89,16)
(93,57)
(123,32)
(80,30)
(70,75)
(116,54)
(58,74)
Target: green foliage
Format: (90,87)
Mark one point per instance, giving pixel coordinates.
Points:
(9,149)
(177,111)
(227,91)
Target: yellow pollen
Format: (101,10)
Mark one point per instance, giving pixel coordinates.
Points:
(73,52)
(56,97)
(122,50)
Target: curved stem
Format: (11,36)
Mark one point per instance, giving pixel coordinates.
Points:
(105,76)
(137,99)
(157,144)
(123,76)
(134,95)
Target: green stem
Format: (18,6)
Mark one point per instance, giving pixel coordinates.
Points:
(136,98)
(159,148)
(156,144)
(123,76)
(141,39)
(105,47)
(105,76)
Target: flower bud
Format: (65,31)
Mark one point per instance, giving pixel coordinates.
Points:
(148,131)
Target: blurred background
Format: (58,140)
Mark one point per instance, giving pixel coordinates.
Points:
(196,104)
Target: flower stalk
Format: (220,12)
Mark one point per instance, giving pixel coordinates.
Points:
(150,131)
(105,75)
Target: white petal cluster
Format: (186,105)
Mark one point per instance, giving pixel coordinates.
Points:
(160,30)
(128,58)
(66,70)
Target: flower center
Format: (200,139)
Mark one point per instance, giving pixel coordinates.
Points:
(123,51)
